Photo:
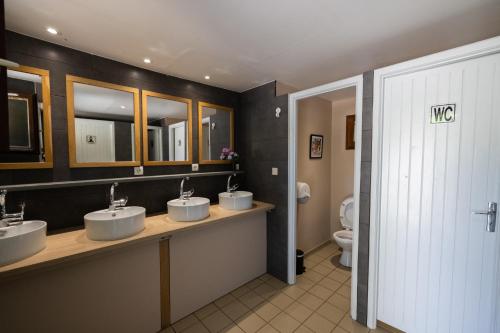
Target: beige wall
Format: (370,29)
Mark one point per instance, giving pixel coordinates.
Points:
(342,180)
(313,217)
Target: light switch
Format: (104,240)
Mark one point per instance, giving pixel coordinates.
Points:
(274,171)
(138,171)
(195,167)
(237,166)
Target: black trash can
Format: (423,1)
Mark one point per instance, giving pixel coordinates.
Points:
(299,265)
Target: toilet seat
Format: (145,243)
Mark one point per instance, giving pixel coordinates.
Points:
(347,213)
(344,237)
(343,234)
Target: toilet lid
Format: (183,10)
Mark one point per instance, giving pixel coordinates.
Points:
(347,212)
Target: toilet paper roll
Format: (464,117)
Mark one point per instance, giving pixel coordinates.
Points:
(303,191)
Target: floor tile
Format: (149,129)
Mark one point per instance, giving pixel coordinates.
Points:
(330,284)
(251,323)
(323,269)
(303,282)
(265,277)
(298,311)
(339,329)
(321,292)
(216,322)
(313,276)
(284,323)
(240,291)
(338,276)
(235,310)
(352,326)
(224,300)
(294,291)
(344,291)
(276,284)
(251,299)
(281,300)
(303,329)
(268,329)
(340,302)
(196,328)
(233,328)
(331,313)
(167,330)
(184,323)
(265,290)
(319,324)
(311,301)
(267,311)
(254,283)
(205,311)
(314,258)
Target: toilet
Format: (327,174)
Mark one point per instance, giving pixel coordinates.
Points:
(343,238)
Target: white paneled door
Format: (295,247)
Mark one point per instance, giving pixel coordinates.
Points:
(438,264)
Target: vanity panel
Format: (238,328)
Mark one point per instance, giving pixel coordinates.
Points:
(114,292)
(207,264)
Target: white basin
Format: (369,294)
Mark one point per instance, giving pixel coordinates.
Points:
(110,225)
(192,209)
(21,241)
(238,200)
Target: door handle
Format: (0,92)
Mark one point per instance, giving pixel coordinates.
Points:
(491,215)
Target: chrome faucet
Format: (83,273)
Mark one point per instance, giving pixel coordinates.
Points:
(116,204)
(7,220)
(185,195)
(230,188)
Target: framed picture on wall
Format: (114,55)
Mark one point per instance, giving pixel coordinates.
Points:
(316,146)
(349,132)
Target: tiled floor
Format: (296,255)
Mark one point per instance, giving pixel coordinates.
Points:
(318,302)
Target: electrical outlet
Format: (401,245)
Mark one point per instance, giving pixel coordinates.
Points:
(274,171)
(237,166)
(195,167)
(138,171)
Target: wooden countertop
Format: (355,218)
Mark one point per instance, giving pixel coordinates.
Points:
(72,245)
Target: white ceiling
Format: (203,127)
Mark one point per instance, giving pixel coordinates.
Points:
(243,44)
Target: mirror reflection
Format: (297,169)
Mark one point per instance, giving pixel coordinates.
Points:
(104,117)
(25,125)
(166,129)
(216,131)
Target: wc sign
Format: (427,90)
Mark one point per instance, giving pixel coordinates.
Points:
(443,113)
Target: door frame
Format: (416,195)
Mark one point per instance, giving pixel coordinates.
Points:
(293,99)
(459,54)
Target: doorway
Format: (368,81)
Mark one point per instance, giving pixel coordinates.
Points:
(294,98)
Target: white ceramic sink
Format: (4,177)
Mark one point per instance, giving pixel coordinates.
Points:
(238,200)
(192,209)
(21,241)
(114,224)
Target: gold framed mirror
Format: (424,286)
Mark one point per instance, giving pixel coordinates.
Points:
(166,129)
(27,120)
(215,132)
(103,124)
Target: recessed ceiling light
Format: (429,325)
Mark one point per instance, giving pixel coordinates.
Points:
(147,60)
(122,106)
(207,77)
(52,31)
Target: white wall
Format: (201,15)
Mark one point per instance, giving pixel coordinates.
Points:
(342,180)
(313,218)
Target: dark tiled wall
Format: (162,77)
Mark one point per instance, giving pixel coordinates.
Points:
(61,61)
(263,144)
(63,208)
(364,213)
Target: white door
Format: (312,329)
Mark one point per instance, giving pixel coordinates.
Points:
(95,140)
(438,265)
(178,141)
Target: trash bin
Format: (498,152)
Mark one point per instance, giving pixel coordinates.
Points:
(299,266)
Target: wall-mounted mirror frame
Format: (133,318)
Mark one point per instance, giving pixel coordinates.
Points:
(145,147)
(73,163)
(201,105)
(47,123)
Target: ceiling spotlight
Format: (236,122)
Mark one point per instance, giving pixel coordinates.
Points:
(147,60)
(207,77)
(52,31)
(122,106)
